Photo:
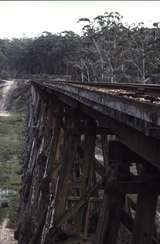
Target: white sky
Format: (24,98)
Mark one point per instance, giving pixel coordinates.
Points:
(33,17)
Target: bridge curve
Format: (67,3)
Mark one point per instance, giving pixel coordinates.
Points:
(68,194)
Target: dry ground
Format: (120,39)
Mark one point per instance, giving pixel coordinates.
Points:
(6,234)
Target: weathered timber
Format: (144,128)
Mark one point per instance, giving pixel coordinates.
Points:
(69,150)
(135,185)
(88,170)
(146,147)
(144,220)
(71,212)
(128,222)
(51,174)
(113,203)
(85,152)
(100,169)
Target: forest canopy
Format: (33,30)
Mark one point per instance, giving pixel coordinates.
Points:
(107,51)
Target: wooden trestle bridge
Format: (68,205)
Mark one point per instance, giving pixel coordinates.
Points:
(91,170)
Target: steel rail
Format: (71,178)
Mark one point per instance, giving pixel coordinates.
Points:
(139,88)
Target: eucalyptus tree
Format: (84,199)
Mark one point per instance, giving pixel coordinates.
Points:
(143,53)
(108,36)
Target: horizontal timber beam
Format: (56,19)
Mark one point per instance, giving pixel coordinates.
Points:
(146,147)
(134,186)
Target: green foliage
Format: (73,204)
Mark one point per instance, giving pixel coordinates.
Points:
(13,209)
(11,143)
(10,137)
(108,50)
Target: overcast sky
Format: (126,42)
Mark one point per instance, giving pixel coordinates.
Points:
(30,18)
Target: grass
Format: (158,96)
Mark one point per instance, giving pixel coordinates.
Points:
(11,137)
(11,145)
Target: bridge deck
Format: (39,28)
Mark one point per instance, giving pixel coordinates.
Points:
(131,105)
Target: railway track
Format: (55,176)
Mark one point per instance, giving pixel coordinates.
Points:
(148,93)
(127,86)
(154,88)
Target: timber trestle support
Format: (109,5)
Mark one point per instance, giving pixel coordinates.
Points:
(81,183)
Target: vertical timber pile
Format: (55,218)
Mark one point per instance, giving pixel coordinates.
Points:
(70,196)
